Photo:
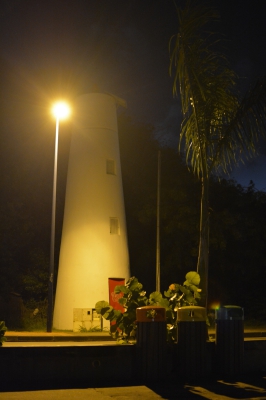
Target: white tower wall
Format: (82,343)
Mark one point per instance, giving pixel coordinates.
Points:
(90,253)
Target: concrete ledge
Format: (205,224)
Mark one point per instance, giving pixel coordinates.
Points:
(57,336)
(37,365)
(255,355)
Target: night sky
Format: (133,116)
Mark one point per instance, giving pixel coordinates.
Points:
(51,49)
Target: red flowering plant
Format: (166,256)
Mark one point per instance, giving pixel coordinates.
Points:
(123,324)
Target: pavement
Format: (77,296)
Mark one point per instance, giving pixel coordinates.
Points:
(247,332)
(244,388)
(23,336)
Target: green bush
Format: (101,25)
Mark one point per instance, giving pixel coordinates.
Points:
(35,315)
(123,325)
(3,329)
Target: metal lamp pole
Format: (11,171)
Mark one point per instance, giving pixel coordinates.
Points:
(52,245)
(61,111)
(158,263)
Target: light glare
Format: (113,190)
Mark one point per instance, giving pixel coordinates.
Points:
(215,305)
(61,110)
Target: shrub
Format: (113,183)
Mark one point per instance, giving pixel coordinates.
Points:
(3,329)
(35,315)
(123,325)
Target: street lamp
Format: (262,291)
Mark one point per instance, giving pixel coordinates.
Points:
(60,110)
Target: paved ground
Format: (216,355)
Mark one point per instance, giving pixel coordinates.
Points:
(244,388)
(60,335)
(17,336)
(65,343)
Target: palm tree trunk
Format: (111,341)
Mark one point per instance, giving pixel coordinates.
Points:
(203,255)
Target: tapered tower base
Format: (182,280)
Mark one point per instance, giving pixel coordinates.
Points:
(94,240)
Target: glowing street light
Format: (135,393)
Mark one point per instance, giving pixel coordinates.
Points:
(60,110)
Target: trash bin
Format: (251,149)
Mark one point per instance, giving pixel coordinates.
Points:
(229,340)
(151,343)
(191,341)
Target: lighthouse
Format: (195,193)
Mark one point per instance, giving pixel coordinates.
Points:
(94,239)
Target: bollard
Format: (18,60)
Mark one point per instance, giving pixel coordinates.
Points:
(151,343)
(191,341)
(229,341)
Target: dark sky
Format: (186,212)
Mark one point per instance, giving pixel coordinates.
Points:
(62,47)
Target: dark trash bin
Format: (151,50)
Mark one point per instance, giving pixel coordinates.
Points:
(151,343)
(191,341)
(229,340)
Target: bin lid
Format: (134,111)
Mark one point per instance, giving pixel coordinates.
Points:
(229,313)
(150,314)
(191,313)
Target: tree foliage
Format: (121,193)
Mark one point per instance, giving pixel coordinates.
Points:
(3,329)
(219,129)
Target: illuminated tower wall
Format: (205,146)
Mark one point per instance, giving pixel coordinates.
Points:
(94,240)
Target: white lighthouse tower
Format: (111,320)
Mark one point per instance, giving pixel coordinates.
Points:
(94,240)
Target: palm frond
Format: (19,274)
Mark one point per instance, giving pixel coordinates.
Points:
(242,132)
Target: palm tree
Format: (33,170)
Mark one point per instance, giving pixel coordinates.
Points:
(219,129)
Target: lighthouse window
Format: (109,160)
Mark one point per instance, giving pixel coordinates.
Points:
(114,226)
(110,167)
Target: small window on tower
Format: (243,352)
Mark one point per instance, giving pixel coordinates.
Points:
(110,167)
(114,226)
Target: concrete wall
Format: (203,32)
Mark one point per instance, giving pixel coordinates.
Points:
(31,367)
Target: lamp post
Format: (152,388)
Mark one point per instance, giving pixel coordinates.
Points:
(60,111)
